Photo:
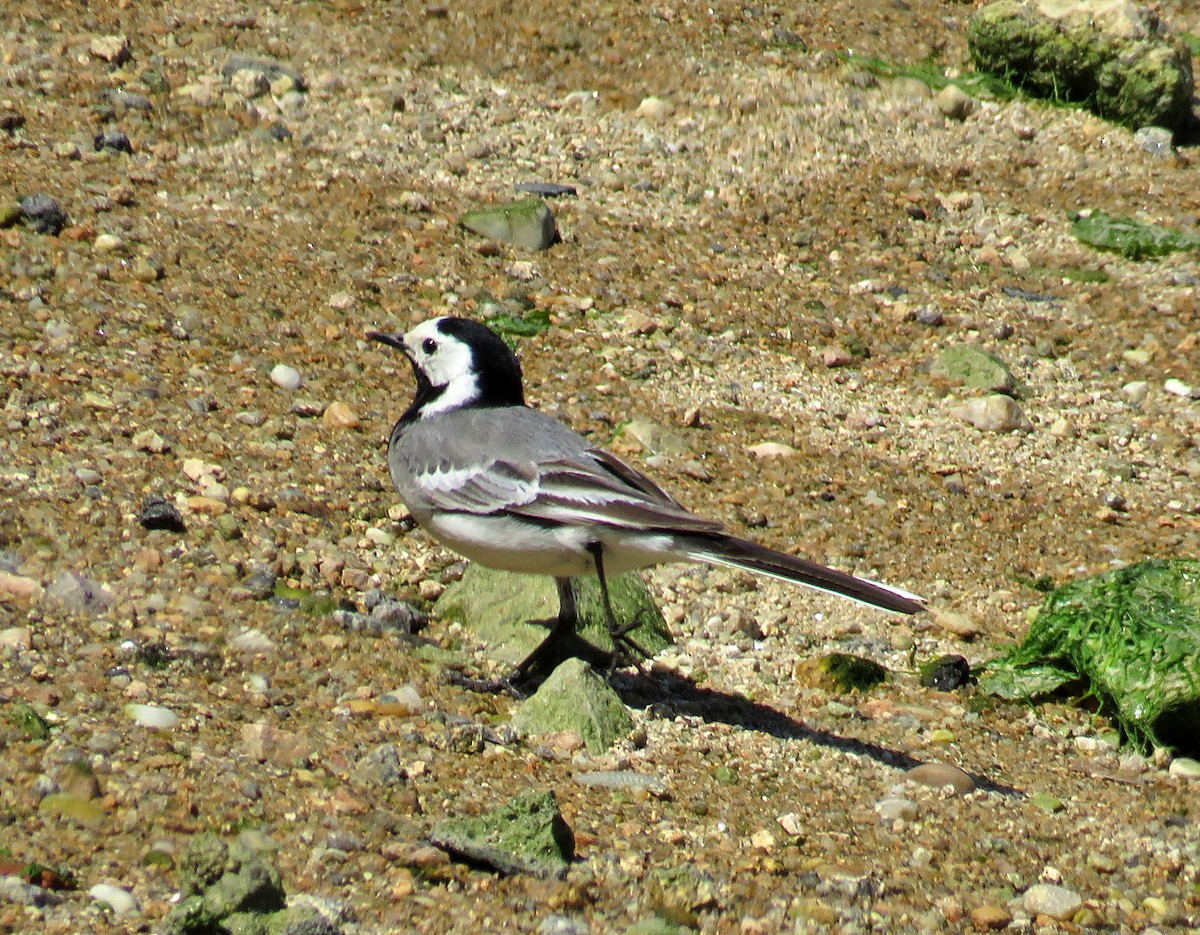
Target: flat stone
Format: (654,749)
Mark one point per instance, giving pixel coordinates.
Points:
(940,775)
(1049,899)
(525,835)
(528,223)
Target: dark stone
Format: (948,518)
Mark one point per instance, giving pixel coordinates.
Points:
(545,189)
(946,673)
(113,139)
(158,513)
(44,213)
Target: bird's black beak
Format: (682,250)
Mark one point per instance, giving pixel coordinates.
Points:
(391,340)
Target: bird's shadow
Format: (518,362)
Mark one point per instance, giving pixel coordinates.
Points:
(681,695)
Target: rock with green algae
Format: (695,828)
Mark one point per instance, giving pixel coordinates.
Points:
(525,835)
(1113,56)
(975,368)
(840,672)
(511,613)
(575,698)
(1130,638)
(527,223)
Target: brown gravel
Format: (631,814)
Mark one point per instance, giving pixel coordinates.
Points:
(778,219)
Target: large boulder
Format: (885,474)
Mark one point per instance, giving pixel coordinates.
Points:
(1111,55)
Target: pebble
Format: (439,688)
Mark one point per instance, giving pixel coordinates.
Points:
(15,890)
(113,140)
(990,918)
(113,49)
(1050,899)
(955,103)
(896,809)
(44,213)
(404,701)
(148,439)
(158,513)
(107,243)
(75,592)
(1184,766)
(120,901)
(249,83)
(956,622)
(154,716)
(16,638)
(940,775)
(1179,388)
(545,189)
(994,413)
(771,450)
(286,377)
(18,586)
(252,641)
(342,301)
(1155,140)
(654,108)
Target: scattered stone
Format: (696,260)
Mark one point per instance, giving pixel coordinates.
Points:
(528,223)
(545,189)
(380,767)
(1179,388)
(229,888)
(575,698)
(80,594)
(250,83)
(1184,766)
(43,213)
(990,918)
(836,356)
(149,440)
(252,640)
(75,808)
(896,809)
(526,835)
(1047,802)
(148,715)
(995,413)
(1049,899)
(146,269)
(338,415)
(657,438)
(767,450)
(108,243)
(946,673)
(623,779)
(940,775)
(272,69)
(274,745)
(113,140)
(1113,56)
(120,901)
(15,890)
(18,587)
(385,616)
(286,377)
(15,639)
(158,513)
(839,673)
(115,50)
(1157,141)
(654,108)
(1136,390)
(955,103)
(965,365)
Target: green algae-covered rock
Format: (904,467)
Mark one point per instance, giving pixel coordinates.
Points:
(575,698)
(1130,638)
(526,835)
(1110,55)
(511,613)
(527,223)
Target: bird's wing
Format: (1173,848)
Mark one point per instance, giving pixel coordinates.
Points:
(598,487)
(588,487)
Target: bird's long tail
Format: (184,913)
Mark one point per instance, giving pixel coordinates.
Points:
(747,555)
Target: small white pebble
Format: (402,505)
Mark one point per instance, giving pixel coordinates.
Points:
(286,377)
(148,715)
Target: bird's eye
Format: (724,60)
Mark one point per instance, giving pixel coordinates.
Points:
(429,345)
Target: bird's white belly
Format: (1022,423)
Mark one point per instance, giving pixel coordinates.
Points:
(510,544)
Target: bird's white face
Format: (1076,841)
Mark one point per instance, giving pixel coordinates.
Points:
(447,363)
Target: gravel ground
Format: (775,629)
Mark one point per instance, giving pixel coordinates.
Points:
(771,214)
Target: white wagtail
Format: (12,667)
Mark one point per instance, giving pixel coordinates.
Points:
(514,489)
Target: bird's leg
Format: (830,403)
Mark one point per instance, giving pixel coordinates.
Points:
(565,626)
(618,633)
